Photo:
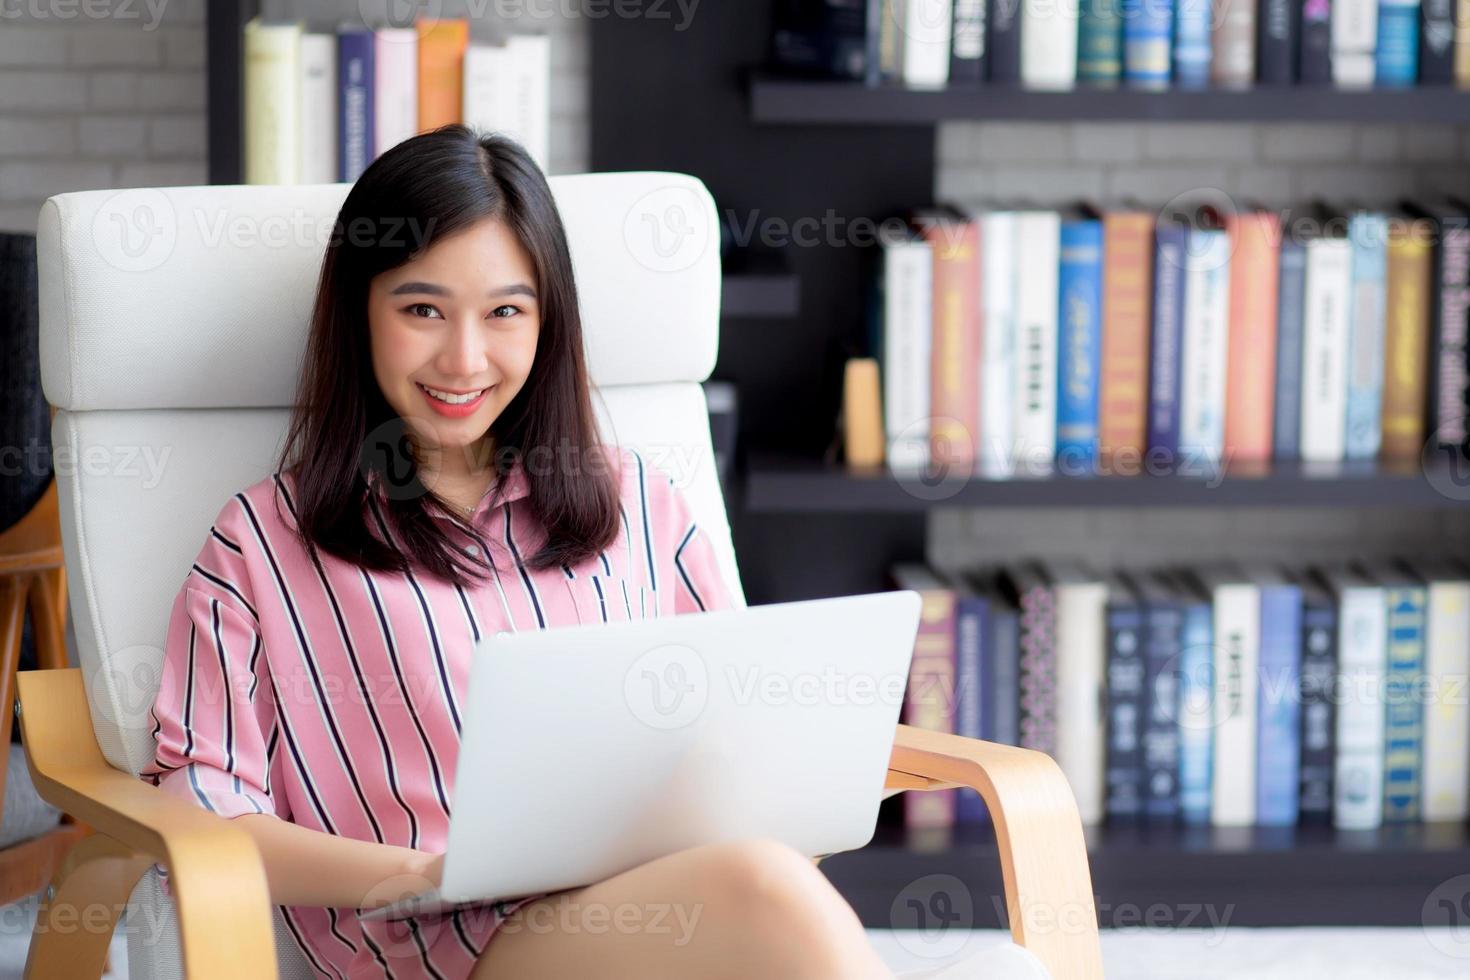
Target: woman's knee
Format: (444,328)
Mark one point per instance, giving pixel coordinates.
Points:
(764,876)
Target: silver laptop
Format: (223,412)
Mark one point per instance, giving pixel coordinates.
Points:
(588,750)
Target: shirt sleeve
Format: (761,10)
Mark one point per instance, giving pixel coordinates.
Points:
(699,583)
(214,719)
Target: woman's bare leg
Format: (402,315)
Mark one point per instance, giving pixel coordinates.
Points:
(748,908)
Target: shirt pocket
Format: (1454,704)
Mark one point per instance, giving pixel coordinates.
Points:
(616,599)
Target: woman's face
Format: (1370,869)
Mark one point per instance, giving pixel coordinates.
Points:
(459,321)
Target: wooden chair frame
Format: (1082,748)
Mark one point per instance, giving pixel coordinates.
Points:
(224,908)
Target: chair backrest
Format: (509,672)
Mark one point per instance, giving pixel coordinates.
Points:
(173,326)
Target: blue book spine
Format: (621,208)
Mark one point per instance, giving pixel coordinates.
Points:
(1148,28)
(1319,719)
(1278,719)
(1403,731)
(1166,350)
(1196,728)
(971,623)
(1099,42)
(1368,234)
(355,84)
(1079,348)
(1290,313)
(1192,52)
(1396,59)
(1125,718)
(1003,669)
(1164,630)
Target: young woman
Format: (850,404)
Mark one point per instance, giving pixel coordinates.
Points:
(442,478)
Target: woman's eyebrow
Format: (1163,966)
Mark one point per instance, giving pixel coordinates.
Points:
(514,289)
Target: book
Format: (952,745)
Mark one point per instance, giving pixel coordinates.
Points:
(1123,393)
(1193,50)
(954,242)
(1233,40)
(1362,661)
(906,297)
(1445,784)
(1278,43)
(1196,703)
(998,344)
(441,50)
(1206,347)
(1036,677)
(1236,603)
(1003,42)
(1325,332)
(925,37)
(1396,58)
(355,86)
(1354,42)
(1437,42)
(1163,646)
(1315,65)
(929,695)
(1250,382)
(1278,731)
(1368,234)
(1079,596)
(999,665)
(1048,45)
(1127,704)
(1079,315)
(1290,308)
(967,44)
(971,628)
(1148,28)
(1404,600)
(1171,242)
(396,86)
(1449,307)
(1406,339)
(272,52)
(1099,43)
(1038,237)
(318,115)
(1318,699)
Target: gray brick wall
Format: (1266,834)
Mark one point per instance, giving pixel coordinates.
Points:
(1276,164)
(118,99)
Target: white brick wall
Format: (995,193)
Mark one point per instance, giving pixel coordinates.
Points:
(1277,164)
(118,99)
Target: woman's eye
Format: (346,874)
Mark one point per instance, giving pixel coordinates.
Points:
(416,307)
(500,311)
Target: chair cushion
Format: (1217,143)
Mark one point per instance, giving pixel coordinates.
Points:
(25,814)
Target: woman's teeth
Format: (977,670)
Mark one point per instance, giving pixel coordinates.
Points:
(452,399)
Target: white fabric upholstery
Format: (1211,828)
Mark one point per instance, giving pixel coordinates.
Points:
(173,323)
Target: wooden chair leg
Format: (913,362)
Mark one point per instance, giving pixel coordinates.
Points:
(48,618)
(75,925)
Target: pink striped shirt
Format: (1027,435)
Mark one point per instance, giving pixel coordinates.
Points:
(336,702)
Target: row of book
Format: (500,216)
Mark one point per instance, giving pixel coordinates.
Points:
(1213,696)
(1025,341)
(320,106)
(1150,44)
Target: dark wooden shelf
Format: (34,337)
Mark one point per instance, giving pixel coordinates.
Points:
(760,295)
(1260,876)
(777,484)
(785,100)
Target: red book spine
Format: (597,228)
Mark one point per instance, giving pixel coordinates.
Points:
(954,397)
(1122,409)
(1250,375)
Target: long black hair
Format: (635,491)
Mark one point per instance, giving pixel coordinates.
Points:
(345,442)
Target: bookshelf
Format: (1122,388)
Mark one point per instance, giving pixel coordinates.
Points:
(784,101)
(778,150)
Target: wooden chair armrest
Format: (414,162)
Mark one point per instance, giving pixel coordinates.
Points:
(215,870)
(1043,856)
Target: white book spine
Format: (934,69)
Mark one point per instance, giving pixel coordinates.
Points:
(1206,352)
(926,39)
(1446,786)
(1324,349)
(531,115)
(1237,616)
(487,87)
(1081,645)
(908,277)
(1354,32)
(1048,44)
(272,103)
(1362,651)
(319,109)
(998,341)
(1038,237)
(396,87)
